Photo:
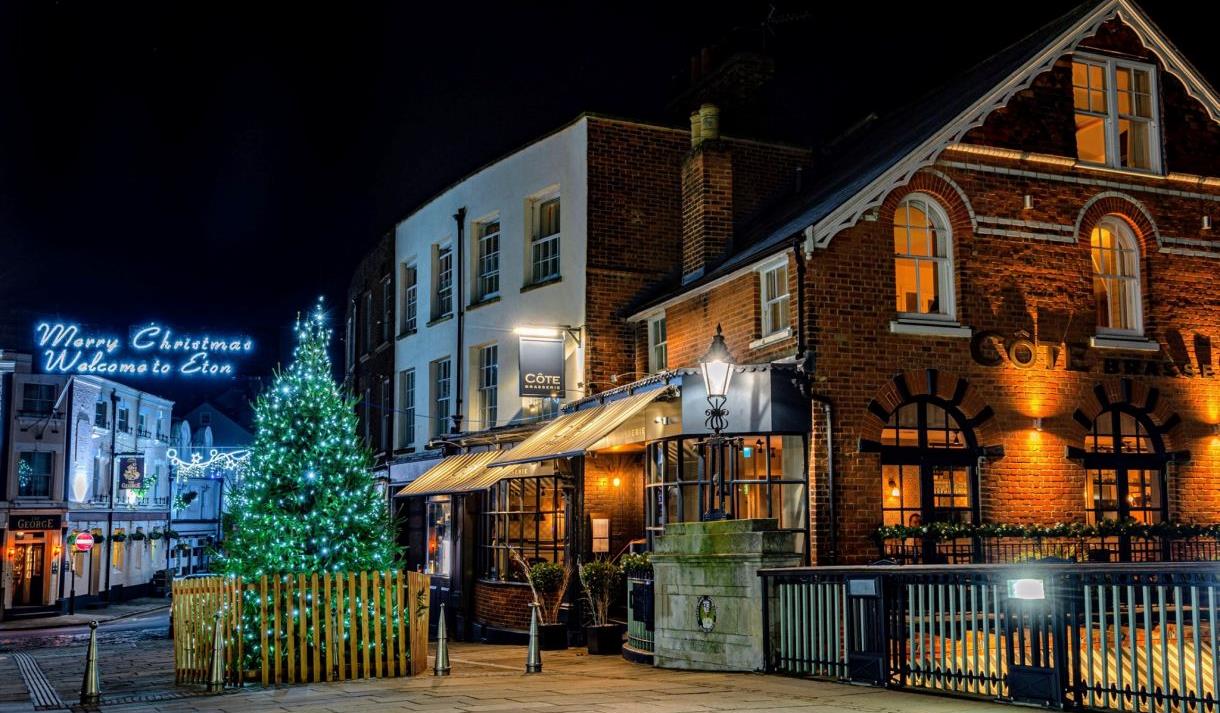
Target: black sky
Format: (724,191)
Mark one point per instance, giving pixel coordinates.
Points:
(219,166)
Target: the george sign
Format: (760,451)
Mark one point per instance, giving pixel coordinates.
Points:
(131,472)
(149,350)
(35,522)
(83,542)
(541,362)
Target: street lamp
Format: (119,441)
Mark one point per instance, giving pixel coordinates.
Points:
(717,366)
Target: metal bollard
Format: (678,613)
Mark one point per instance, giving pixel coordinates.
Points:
(216,671)
(533,657)
(441,666)
(90,690)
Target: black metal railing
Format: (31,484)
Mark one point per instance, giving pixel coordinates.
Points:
(1009,550)
(1136,637)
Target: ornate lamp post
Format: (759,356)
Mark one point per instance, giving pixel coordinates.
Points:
(717,366)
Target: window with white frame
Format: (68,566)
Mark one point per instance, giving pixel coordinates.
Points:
(774,299)
(442,282)
(387,309)
(37,398)
(923,259)
(1116,113)
(489,384)
(406,408)
(442,395)
(410,299)
(34,474)
(544,240)
(1116,277)
(658,353)
(124,418)
(487,259)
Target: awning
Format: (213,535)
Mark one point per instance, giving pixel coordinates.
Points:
(456,474)
(575,433)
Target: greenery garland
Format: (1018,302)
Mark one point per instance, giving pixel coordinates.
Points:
(1106,528)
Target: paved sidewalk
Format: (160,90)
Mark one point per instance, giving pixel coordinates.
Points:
(84,616)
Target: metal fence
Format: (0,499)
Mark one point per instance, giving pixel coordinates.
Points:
(640,602)
(1134,637)
(1006,550)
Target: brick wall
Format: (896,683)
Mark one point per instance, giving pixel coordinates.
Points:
(1018,274)
(503,605)
(373,361)
(707,206)
(622,504)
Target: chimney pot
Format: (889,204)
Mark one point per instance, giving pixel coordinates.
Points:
(709,115)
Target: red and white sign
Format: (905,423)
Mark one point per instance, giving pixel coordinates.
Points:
(83,542)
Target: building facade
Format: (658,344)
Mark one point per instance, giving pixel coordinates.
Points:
(368,343)
(81,454)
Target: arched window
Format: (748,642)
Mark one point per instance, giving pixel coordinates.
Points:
(923,259)
(928,461)
(1125,462)
(1116,277)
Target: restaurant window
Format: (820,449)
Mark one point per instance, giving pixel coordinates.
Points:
(658,349)
(442,282)
(1125,464)
(406,404)
(410,299)
(1116,113)
(544,240)
(34,474)
(923,259)
(489,384)
(774,300)
(440,535)
(387,309)
(37,399)
(767,477)
(441,395)
(1116,277)
(528,515)
(928,462)
(487,258)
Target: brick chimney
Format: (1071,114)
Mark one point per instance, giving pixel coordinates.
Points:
(707,196)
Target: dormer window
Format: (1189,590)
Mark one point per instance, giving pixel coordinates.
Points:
(1116,113)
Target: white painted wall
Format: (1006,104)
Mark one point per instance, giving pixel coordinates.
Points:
(504,189)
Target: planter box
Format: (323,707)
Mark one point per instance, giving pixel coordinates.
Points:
(553,637)
(604,640)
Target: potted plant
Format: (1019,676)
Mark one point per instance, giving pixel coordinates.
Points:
(548,582)
(600,580)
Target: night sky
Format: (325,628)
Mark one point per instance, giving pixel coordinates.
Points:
(220,166)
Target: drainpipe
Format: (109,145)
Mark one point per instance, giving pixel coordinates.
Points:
(460,310)
(806,356)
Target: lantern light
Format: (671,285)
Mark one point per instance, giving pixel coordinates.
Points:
(717,365)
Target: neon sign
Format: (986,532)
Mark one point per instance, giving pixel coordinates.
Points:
(149,350)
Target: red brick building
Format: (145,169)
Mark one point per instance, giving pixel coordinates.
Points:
(1004,299)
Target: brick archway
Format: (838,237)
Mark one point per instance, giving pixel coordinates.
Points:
(948,194)
(1123,206)
(949,391)
(1142,401)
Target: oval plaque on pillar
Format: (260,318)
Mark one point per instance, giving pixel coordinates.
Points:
(705,614)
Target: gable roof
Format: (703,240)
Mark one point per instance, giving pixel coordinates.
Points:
(889,153)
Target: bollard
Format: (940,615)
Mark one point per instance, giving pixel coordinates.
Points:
(441,666)
(216,671)
(533,657)
(90,691)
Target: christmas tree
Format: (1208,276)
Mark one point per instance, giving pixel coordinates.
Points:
(308,501)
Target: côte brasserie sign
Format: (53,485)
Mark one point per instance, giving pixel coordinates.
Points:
(149,350)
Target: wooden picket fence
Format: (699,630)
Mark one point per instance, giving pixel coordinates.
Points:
(328,627)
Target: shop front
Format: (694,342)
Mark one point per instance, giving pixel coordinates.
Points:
(602,479)
(32,548)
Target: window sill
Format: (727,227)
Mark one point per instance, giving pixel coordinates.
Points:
(483,302)
(779,336)
(404,335)
(930,329)
(1134,172)
(439,320)
(1126,343)
(544,283)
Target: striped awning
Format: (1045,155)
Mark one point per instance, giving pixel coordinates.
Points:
(573,434)
(456,474)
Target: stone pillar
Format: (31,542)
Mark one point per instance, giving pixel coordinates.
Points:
(709,595)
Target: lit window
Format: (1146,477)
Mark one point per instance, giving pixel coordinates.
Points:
(923,259)
(442,302)
(441,395)
(410,299)
(775,300)
(1116,118)
(406,404)
(489,384)
(544,240)
(487,250)
(1116,281)
(658,352)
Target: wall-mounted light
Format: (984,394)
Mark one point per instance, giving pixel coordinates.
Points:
(1038,423)
(547,332)
(616,482)
(1207,222)
(895,491)
(1029,202)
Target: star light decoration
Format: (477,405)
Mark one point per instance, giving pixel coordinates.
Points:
(222,463)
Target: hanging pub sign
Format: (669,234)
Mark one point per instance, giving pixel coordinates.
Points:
(149,350)
(541,367)
(34,522)
(131,472)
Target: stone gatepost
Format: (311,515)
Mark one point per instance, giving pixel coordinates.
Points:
(708,593)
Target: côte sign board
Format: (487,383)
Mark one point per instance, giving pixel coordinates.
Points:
(541,367)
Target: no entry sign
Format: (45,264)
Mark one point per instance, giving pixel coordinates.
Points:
(83,542)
